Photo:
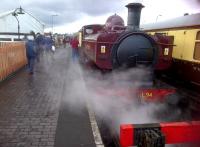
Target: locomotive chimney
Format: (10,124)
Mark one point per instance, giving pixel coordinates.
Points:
(134,12)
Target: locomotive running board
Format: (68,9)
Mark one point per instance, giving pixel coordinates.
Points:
(160,134)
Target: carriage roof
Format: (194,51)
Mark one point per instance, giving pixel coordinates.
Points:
(187,21)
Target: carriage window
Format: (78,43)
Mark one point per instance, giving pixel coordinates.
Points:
(197,47)
(197,51)
(198,36)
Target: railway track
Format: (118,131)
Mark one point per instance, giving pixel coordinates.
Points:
(188,91)
(110,137)
(189,104)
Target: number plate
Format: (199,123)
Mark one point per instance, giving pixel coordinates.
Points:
(103,49)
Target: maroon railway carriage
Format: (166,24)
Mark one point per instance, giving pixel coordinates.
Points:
(186,52)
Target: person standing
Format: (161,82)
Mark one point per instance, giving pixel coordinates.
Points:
(39,40)
(49,44)
(64,42)
(31,54)
(74,45)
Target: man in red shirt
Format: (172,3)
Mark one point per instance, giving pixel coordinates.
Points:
(74,45)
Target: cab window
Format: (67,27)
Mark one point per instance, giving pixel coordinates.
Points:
(197,47)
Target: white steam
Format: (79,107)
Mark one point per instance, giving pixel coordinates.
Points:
(113,96)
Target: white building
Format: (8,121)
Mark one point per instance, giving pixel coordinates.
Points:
(11,20)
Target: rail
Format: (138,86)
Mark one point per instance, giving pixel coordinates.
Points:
(12,58)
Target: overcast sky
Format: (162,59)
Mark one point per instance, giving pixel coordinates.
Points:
(72,14)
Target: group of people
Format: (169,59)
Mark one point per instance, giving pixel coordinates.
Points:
(35,48)
(40,44)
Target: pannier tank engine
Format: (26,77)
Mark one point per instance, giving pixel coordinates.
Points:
(114,45)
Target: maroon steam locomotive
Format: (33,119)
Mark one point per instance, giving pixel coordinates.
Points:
(115,45)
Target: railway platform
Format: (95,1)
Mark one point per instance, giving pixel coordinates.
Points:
(33,112)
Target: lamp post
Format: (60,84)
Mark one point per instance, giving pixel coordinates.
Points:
(52,16)
(15,14)
(157,17)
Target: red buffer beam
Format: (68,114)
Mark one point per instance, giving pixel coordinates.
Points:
(163,133)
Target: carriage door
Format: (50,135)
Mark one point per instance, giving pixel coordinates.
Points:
(179,41)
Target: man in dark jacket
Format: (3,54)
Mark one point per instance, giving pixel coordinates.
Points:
(31,54)
(49,43)
(40,42)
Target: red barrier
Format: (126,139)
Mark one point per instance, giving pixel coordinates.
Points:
(174,133)
(126,135)
(181,132)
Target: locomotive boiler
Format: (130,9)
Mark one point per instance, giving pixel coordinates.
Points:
(115,45)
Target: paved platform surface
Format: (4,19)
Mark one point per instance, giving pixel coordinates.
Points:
(33,112)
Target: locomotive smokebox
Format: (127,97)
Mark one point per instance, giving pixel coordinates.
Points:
(134,12)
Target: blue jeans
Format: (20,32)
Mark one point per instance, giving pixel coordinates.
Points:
(74,55)
(31,63)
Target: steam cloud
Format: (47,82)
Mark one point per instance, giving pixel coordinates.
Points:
(113,96)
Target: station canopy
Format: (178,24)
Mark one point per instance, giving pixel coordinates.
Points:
(27,23)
